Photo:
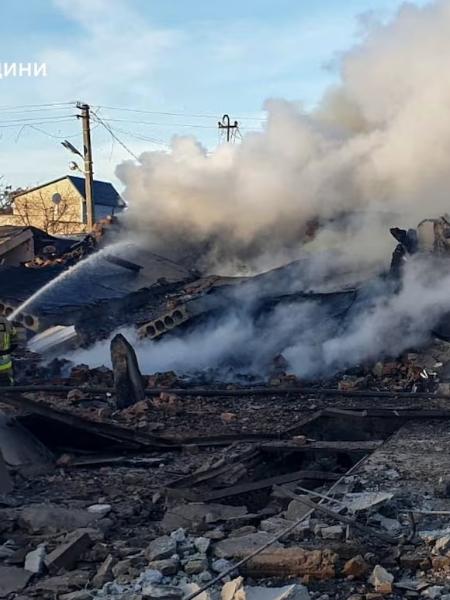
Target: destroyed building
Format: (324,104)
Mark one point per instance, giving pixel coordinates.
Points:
(124,483)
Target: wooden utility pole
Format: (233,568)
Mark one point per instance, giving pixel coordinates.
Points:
(88,165)
(230,129)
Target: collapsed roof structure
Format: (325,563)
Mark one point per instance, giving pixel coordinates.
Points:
(178,485)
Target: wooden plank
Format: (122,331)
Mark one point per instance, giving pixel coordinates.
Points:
(251,486)
(323,446)
(389,412)
(298,427)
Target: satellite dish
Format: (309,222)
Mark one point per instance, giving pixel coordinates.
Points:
(73,166)
(56,198)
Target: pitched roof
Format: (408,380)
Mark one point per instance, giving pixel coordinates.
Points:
(105,194)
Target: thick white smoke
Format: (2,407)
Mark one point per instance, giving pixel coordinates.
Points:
(374,154)
(377,147)
(316,339)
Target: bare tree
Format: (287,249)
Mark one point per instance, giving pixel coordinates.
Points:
(39,211)
(5,195)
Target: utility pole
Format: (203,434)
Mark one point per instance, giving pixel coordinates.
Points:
(88,165)
(230,129)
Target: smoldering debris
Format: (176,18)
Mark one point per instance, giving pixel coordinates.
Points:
(319,334)
(156,484)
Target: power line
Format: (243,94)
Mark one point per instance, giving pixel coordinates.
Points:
(11,106)
(142,137)
(177,114)
(58,137)
(35,110)
(20,123)
(113,135)
(48,119)
(159,124)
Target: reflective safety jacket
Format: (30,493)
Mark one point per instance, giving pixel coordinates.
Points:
(7,341)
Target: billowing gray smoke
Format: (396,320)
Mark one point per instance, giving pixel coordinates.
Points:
(374,154)
(317,338)
(377,149)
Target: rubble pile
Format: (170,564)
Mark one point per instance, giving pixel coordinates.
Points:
(185,487)
(117,484)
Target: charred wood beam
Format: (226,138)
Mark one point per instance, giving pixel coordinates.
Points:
(248,457)
(252,486)
(121,262)
(236,393)
(323,446)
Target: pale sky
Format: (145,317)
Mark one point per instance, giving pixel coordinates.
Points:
(135,60)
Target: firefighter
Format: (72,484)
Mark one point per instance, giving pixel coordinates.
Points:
(8,341)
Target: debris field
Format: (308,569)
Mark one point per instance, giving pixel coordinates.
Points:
(117,483)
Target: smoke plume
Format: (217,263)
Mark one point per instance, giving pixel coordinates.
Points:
(317,339)
(374,153)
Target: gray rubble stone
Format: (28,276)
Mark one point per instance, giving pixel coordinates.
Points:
(12,580)
(123,568)
(35,560)
(166,566)
(101,510)
(196,516)
(220,565)
(202,544)
(190,588)
(162,592)
(63,583)
(361,501)
(160,548)
(49,518)
(335,532)
(78,595)
(113,589)
(104,572)
(179,535)
(391,525)
(215,534)
(148,577)
(289,592)
(8,549)
(237,547)
(296,510)
(241,531)
(274,524)
(433,592)
(196,566)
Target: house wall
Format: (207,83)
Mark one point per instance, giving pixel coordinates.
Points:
(36,208)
